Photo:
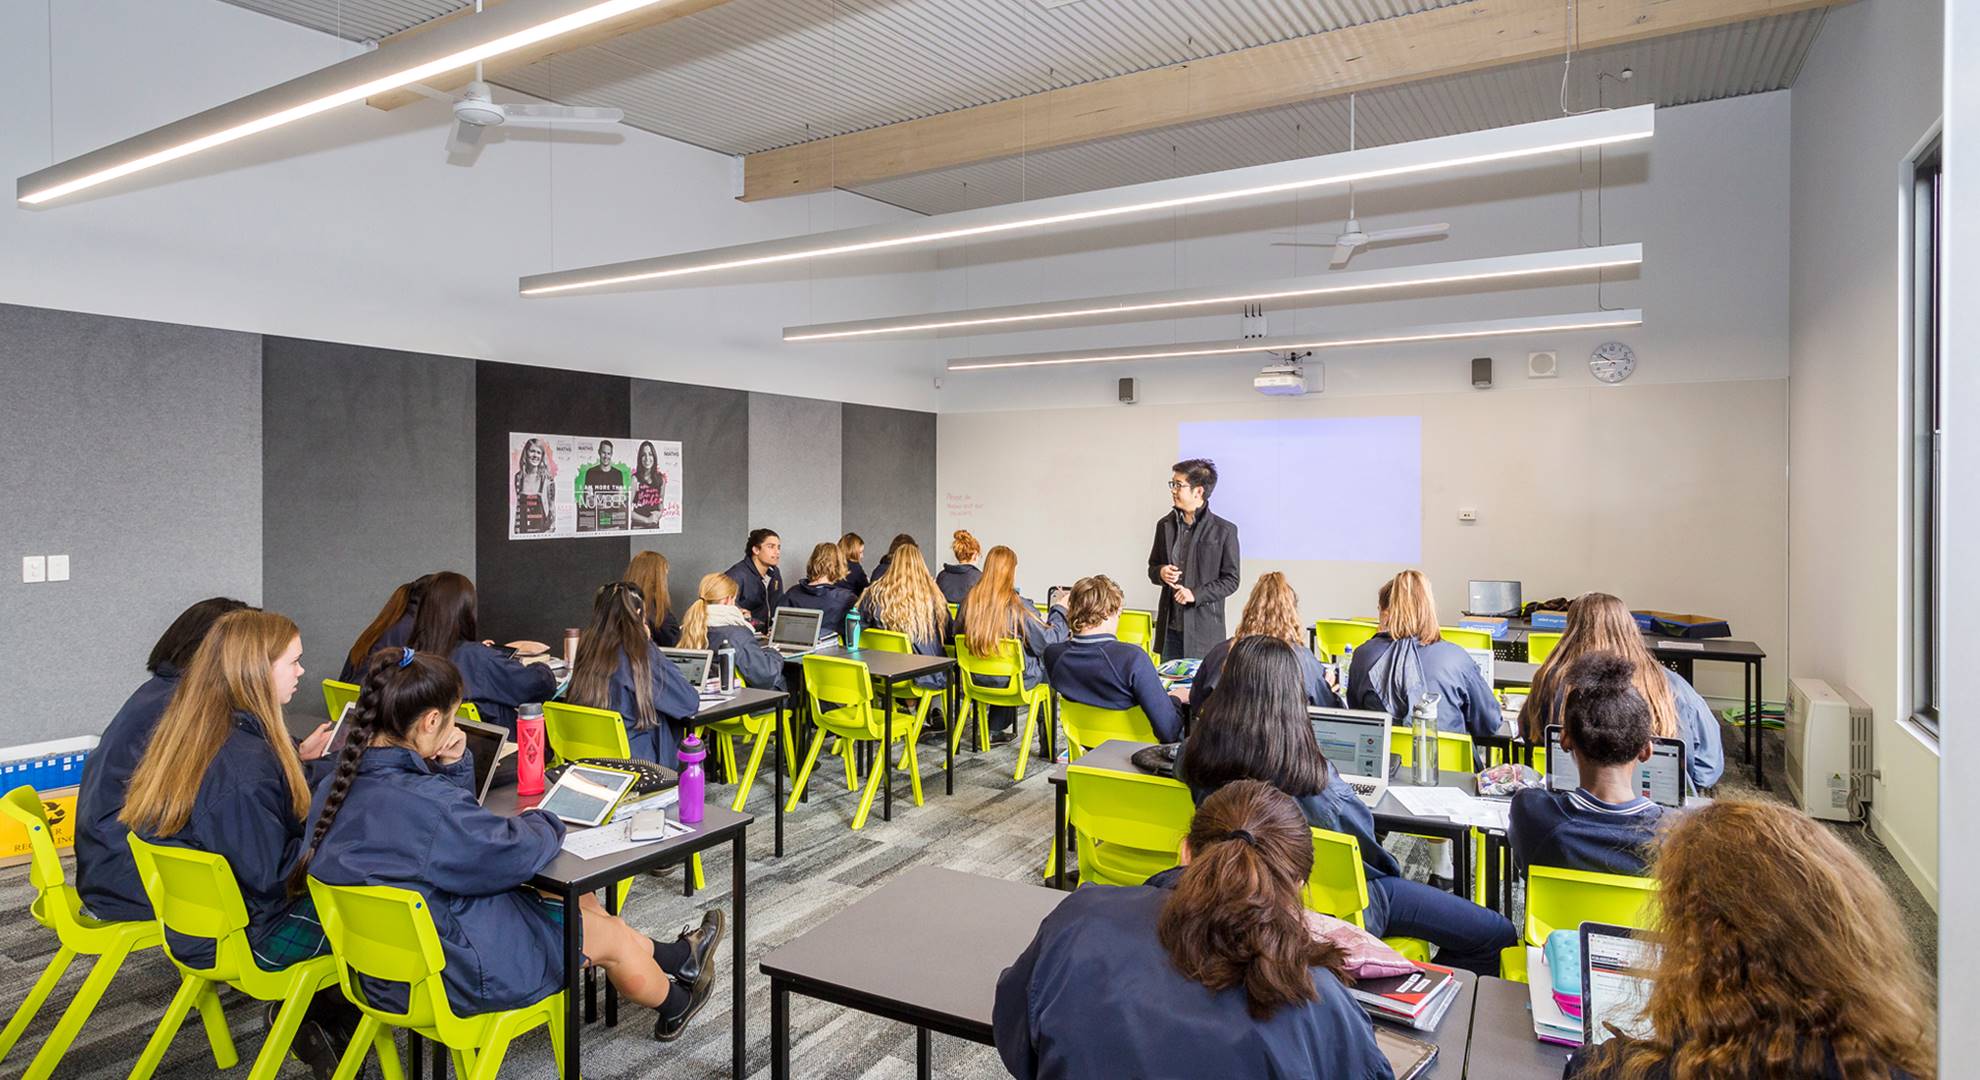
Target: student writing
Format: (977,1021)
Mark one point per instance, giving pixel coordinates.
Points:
(1093,667)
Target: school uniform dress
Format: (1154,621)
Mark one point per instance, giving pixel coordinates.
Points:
(1206,551)
(674,701)
(498,684)
(756,593)
(1466,935)
(242,812)
(1310,671)
(1095,994)
(1380,671)
(106,876)
(394,636)
(1573,830)
(833,600)
(413,824)
(956,581)
(759,665)
(1704,751)
(1107,673)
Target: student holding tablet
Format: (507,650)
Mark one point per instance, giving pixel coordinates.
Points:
(1093,667)
(993,611)
(1205,971)
(449,625)
(1780,955)
(1605,825)
(1408,659)
(1598,622)
(909,603)
(957,578)
(399,811)
(1272,610)
(820,590)
(714,621)
(648,570)
(758,581)
(619,668)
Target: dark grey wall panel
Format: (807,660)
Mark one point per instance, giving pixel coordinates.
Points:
(536,588)
(794,474)
(135,449)
(368,481)
(712,425)
(888,480)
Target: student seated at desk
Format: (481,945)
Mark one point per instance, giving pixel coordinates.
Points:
(1408,659)
(1272,610)
(106,875)
(497,683)
(714,621)
(853,547)
(820,590)
(390,628)
(1095,668)
(648,570)
(909,603)
(1606,825)
(1598,622)
(993,611)
(400,810)
(758,581)
(1256,728)
(899,541)
(957,578)
(1206,971)
(619,668)
(1781,956)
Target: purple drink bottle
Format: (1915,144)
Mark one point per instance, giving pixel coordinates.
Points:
(693,780)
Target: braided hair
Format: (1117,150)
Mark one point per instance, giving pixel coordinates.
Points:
(400,686)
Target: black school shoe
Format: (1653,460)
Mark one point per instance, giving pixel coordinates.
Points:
(315,1044)
(697,976)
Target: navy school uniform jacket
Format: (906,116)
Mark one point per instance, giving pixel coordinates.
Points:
(105,873)
(833,600)
(1095,994)
(1102,671)
(759,665)
(751,596)
(394,636)
(1034,634)
(413,824)
(1467,703)
(1212,668)
(497,684)
(930,647)
(855,578)
(668,633)
(673,702)
(956,581)
(880,568)
(1574,830)
(1696,726)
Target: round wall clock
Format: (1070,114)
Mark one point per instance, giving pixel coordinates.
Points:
(1612,363)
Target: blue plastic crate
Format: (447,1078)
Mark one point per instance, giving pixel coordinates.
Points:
(45,766)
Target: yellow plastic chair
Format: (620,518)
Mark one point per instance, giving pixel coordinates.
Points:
(909,698)
(336,695)
(1137,628)
(195,894)
(578,731)
(1338,886)
(58,907)
(1454,749)
(840,691)
(388,934)
(755,729)
(1128,826)
(1558,899)
(1007,664)
(1330,636)
(1466,638)
(1087,726)
(1540,644)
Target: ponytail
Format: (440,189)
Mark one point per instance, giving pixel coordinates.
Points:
(712,589)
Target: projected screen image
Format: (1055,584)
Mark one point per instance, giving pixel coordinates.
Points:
(1347,489)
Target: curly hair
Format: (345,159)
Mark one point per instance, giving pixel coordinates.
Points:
(1273,610)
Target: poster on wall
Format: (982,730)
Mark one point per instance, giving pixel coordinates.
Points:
(563,486)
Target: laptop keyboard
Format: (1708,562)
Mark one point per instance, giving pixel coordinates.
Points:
(1363,788)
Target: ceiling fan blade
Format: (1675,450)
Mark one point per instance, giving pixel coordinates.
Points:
(564,114)
(1343,251)
(1409,232)
(1295,243)
(464,143)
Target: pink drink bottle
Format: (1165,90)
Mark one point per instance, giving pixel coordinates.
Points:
(529,750)
(693,780)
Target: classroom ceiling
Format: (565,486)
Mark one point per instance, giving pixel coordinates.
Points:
(753,75)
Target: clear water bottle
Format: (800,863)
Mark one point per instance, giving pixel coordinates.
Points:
(1423,742)
(1347,663)
(693,781)
(853,622)
(727,658)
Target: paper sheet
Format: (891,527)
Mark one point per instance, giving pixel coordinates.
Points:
(610,838)
(1452,803)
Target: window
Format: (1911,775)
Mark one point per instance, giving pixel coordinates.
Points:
(1925,204)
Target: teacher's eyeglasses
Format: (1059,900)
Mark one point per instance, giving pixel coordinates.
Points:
(1177,485)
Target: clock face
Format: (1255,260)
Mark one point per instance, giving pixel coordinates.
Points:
(1612,363)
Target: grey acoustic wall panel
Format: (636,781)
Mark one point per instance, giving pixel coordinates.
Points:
(367,481)
(794,473)
(889,479)
(135,449)
(712,426)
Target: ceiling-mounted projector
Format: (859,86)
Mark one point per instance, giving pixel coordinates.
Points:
(1287,378)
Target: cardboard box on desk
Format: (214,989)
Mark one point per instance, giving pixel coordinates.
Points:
(60,806)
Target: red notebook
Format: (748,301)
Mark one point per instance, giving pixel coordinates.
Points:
(1418,999)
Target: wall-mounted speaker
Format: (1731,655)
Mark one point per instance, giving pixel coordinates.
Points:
(1542,365)
(1127,391)
(1481,372)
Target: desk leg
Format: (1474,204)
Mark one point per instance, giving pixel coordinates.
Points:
(1059,836)
(1461,868)
(780,1031)
(1052,734)
(777,774)
(1753,725)
(948,742)
(612,992)
(1492,896)
(924,1063)
(440,1062)
(739,949)
(886,762)
(416,1050)
(573,1023)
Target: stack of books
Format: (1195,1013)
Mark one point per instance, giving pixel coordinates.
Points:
(1550,1022)
(1418,999)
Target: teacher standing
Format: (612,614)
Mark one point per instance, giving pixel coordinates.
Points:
(1195,560)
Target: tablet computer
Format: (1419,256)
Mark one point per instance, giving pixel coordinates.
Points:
(340,732)
(587,794)
(484,742)
(1615,982)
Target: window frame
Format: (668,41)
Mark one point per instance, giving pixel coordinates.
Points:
(1922,277)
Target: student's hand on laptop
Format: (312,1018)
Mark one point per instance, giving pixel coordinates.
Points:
(314,746)
(451,750)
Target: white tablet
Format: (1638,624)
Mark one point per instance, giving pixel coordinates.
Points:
(587,794)
(340,733)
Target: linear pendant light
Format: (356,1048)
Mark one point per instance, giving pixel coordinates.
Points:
(1535,324)
(450,47)
(1400,159)
(1017,316)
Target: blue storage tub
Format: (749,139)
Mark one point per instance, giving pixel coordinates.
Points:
(45,766)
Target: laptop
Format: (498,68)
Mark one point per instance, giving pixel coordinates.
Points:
(795,631)
(1494,599)
(693,664)
(485,742)
(1357,742)
(1615,982)
(1661,779)
(1483,658)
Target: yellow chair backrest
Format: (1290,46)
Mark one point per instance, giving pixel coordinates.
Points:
(1137,628)
(1007,663)
(1087,726)
(840,690)
(1338,885)
(893,641)
(194,893)
(1466,638)
(1540,644)
(1333,635)
(1454,749)
(1558,899)
(1129,825)
(388,934)
(56,902)
(336,695)
(577,731)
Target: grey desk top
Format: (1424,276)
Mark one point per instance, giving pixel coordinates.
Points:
(717,825)
(1502,1042)
(747,700)
(899,946)
(885,665)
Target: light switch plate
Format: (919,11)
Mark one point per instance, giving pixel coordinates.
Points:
(34,568)
(58,568)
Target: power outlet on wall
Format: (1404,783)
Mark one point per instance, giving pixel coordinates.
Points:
(1468,516)
(34,569)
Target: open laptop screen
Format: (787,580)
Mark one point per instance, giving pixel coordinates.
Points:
(1615,985)
(796,626)
(691,663)
(1355,741)
(1661,779)
(1493,598)
(484,741)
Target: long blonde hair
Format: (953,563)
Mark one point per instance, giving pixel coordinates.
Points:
(648,570)
(1408,608)
(993,610)
(229,673)
(906,598)
(1778,947)
(1598,622)
(714,589)
(1272,610)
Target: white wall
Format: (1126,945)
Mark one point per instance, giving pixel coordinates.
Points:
(1869,90)
(351,227)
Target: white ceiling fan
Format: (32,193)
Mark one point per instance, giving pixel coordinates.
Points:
(1353,238)
(476,110)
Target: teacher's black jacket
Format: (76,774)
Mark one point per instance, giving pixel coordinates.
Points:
(750,593)
(1209,562)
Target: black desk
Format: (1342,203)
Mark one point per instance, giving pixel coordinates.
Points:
(748,701)
(896,953)
(1503,1046)
(1453,1034)
(891,668)
(571,877)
